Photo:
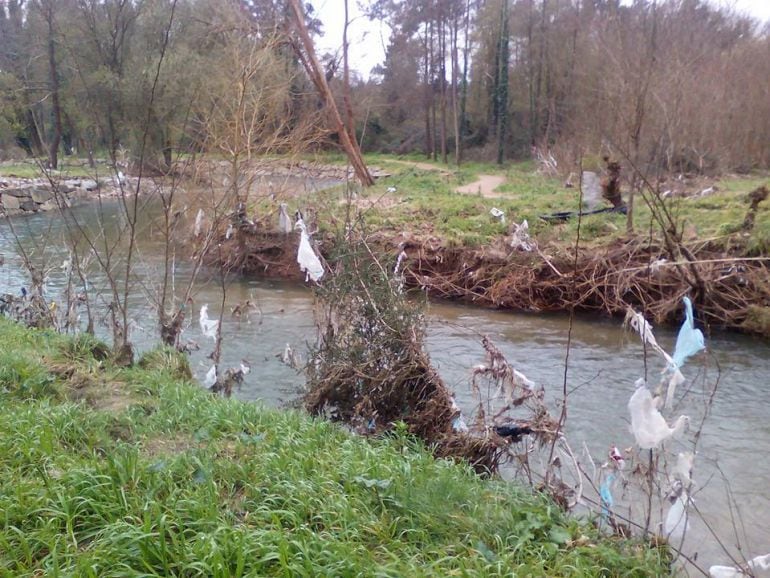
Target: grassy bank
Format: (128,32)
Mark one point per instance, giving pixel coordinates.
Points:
(137,472)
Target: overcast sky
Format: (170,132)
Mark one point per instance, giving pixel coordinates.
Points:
(369,39)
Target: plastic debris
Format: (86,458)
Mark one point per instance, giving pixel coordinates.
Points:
(309,263)
(592,189)
(689,342)
(211,377)
(208,326)
(657,265)
(605,493)
(522,380)
(290,357)
(198,229)
(617,458)
(513,430)
(683,469)
(638,323)
(458,422)
(725,572)
(520,236)
(229,232)
(497,214)
(758,567)
(284,222)
(647,423)
(677,522)
(392,190)
(399,261)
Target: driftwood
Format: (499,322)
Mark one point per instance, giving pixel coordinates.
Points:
(370,369)
(632,273)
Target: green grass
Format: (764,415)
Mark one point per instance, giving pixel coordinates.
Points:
(132,472)
(30,169)
(427,202)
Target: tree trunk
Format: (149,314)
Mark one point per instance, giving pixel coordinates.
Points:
(442,71)
(313,67)
(464,89)
(351,124)
(427,96)
(53,147)
(501,95)
(455,107)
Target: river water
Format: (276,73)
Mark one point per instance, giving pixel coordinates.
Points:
(731,468)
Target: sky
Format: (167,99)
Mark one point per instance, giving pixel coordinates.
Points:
(369,39)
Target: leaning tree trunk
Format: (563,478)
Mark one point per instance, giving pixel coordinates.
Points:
(313,67)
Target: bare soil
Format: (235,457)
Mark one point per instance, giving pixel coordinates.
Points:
(485,186)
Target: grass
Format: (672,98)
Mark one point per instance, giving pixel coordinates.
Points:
(30,169)
(426,204)
(175,482)
(427,201)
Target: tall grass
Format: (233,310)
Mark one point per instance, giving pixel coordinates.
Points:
(179,483)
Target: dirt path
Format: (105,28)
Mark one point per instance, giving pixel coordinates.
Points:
(422,166)
(484,186)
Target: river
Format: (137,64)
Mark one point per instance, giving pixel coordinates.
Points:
(731,464)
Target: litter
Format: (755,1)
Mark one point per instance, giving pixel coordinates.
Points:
(513,431)
(592,189)
(211,377)
(617,458)
(656,265)
(605,493)
(198,223)
(284,222)
(683,469)
(497,214)
(689,342)
(208,326)
(309,263)
(758,566)
(647,423)
(677,522)
(520,236)
(229,232)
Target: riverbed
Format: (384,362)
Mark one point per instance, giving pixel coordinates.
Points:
(604,363)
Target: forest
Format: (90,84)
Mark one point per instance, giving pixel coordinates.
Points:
(677,86)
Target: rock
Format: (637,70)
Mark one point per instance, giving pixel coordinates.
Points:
(23,191)
(29,206)
(89,185)
(72,183)
(10,203)
(41,194)
(48,206)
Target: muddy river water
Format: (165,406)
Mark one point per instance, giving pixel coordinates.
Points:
(732,464)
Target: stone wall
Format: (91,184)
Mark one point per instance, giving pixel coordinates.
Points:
(26,196)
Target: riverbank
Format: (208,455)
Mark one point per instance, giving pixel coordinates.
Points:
(468,247)
(23,196)
(110,471)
